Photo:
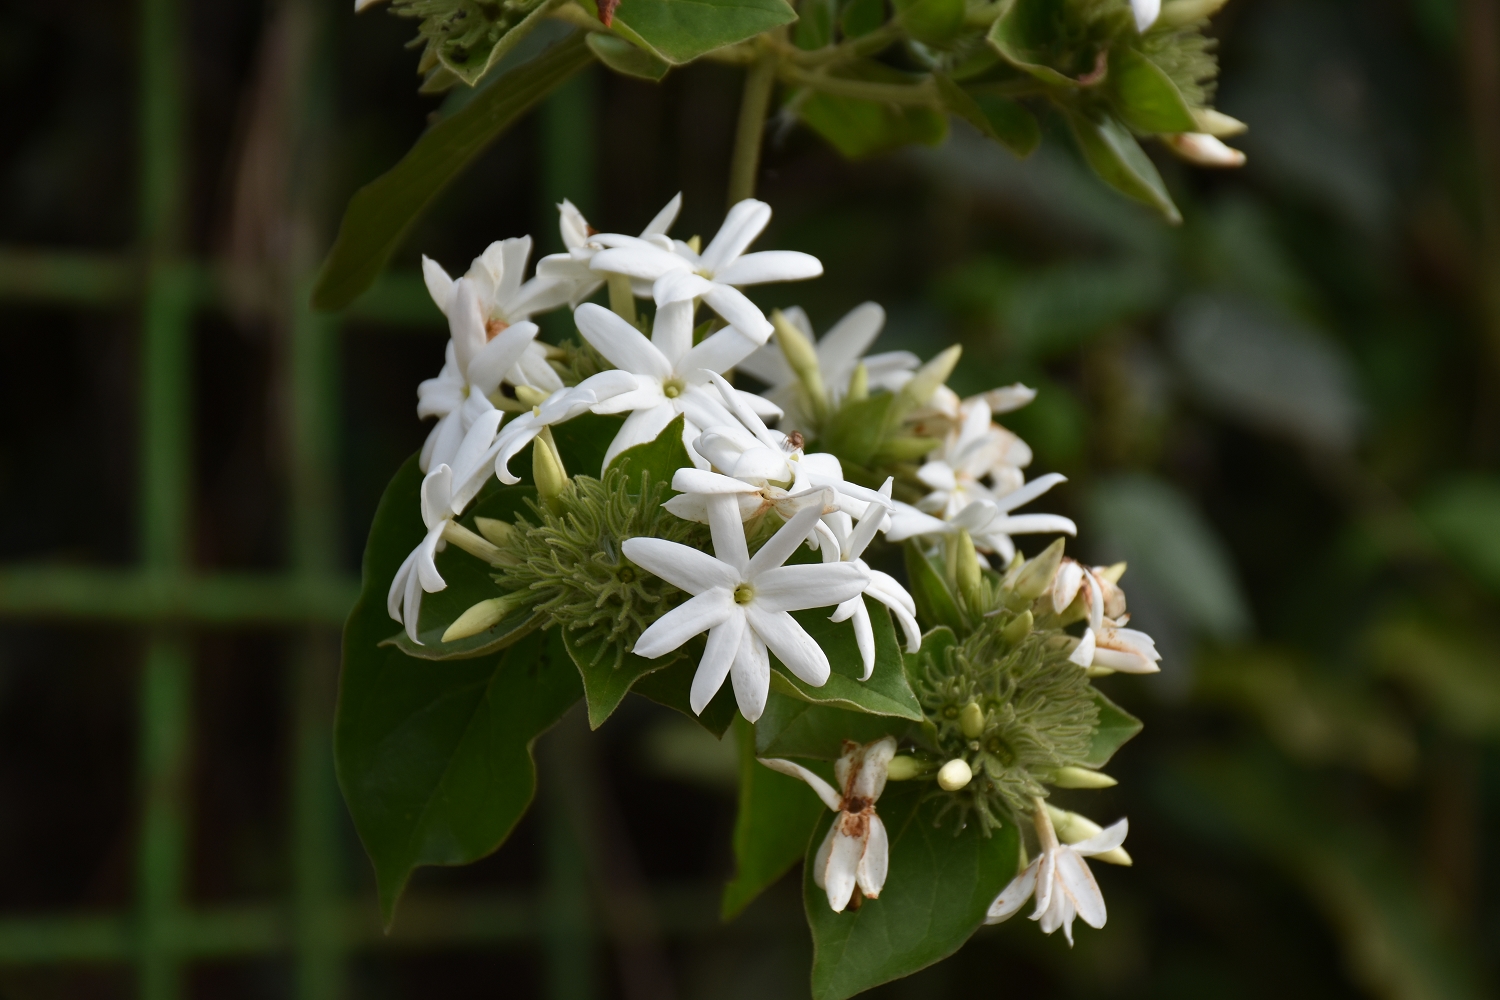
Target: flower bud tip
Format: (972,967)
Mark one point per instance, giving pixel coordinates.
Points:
(906,768)
(478,618)
(1081,777)
(971,720)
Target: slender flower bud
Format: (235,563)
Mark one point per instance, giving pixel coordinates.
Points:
(971,720)
(1111,574)
(954,775)
(621,298)
(495,532)
(803,359)
(1018,629)
(919,389)
(859,383)
(547,469)
(1072,828)
(1204,150)
(529,396)
(1218,124)
(474,545)
(1177,13)
(1081,777)
(483,615)
(906,768)
(1036,576)
(967,570)
(905,448)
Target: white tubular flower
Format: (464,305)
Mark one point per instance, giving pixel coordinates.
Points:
(715,277)
(839,352)
(419,572)
(1146,12)
(856,851)
(669,372)
(578,236)
(1060,879)
(989,523)
(560,407)
(1106,644)
(978,449)
(478,360)
(742,602)
(852,542)
(1203,150)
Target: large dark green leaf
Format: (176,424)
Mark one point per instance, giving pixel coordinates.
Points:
(581,442)
(791,727)
(1116,727)
(1120,161)
(434,758)
(608,673)
(999,118)
(680,31)
(857,127)
(775,819)
(938,891)
(885,693)
(1027,36)
(655,461)
(626,58)
(1145,96)
(933,22)
(381,212)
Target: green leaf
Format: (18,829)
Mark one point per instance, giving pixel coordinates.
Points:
(465,54)
(862,17)
(608,673)
(935,602)
(1144,95)
(670,687)
(885,693)
(1115,729)
(937,894)
(383,211)
(581,442)
(856,430)
(814,23)
(657,460)
(791,727)
(772,826)
(1463,515)
(1026,36)
(627,59)
(859,128)
(680,31)
(932,22)
(1120,161)
(998,118)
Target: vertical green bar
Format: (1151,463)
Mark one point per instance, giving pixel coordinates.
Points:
(567,154)
(567,928)
(165,708)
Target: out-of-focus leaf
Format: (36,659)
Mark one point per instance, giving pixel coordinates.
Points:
(1311,716)
(932,22)
(791,727)
(936,895)
(1166,542)
(1145,97)
(1266,370)
(1395,943)
(885,693)
(1458,674)
(1116,728)
(380,213)
(857,429)
(470,39)
(1120,161)
(681,750)
(774,822)
(625,58)
(1001,119)
(861,17)
(859,128)
(815,20)
(1026,35)
(1464,516)
(670,687)
(608,674)
(680,31)
(1049,312)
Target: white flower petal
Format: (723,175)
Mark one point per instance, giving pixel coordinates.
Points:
(843,862)
(1013,896)
(622,344)
(751,676)
(636,258)
(672,333)
(679,286)
(739,312)
(1017,498)
(719,353)
(864,636)
(742,225)
(1083,892)
(790,642)
(826,792)
(697,615)
(780,546)
(683,566)
(1084,654)
(819,585)
(439,285)
(820,860)
(770,265)
(1065,585)
(1146,13)
(875,862)
(398,589)
(724,641)
(641,427)
(663,220)
(728,532)
(426,568)
(840,349)
(1105,840)
(1034,524)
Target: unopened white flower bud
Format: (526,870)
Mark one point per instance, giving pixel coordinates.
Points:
(1176,13)
(1081,777)
(495,532)
(480,617)
(529,396)
(1218,124)
(971,720)
(954,775)
(906,768)
(547,470)
(1204,150)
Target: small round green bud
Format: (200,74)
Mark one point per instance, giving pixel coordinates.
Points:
(971,720)
(955,775)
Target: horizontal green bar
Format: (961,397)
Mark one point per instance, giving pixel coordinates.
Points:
(424,922)
(83,278)
(136,596)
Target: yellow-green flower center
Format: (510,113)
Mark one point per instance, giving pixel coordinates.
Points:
(744,594)
(672,388)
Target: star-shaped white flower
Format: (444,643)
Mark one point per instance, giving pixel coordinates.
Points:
(560,407)
(977,450)
(989,523)
(1106,643)
(669,371)
(839,352)
(856,850)
(477,362)
(419,572)
(742,602)
(580,239)
(849,545)
(1060,879)
(715,276)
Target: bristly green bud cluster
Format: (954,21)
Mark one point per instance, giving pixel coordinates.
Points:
(458,37)
(1015,712)
(570,558)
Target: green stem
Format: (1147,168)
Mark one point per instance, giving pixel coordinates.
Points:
(759,82)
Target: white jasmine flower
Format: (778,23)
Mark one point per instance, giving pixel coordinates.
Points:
(669,372)
(1146,12)
(1106,643)
(1060,879)
(477,362)
(989,523)
(579,238)
(715,276)
(839,352)
(856,851)
(743,604)
(976,450)
(419,572)
(851,543)
(563,405)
